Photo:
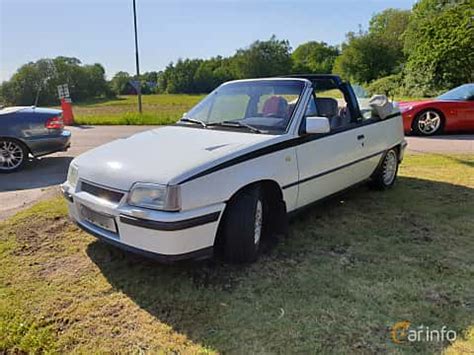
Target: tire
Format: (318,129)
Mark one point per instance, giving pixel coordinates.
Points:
(243,227)
(428,123)
(13,155)
(385,175)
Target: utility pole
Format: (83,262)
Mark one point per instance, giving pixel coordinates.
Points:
(139,89)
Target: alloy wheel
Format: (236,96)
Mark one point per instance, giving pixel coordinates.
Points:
(258,222)
(429,122)
(11,155)
(389,167)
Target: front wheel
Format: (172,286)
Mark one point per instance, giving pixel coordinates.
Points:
(428,123)
(386,174)
(243,226)
(12,155)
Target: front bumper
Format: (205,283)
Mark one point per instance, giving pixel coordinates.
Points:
(164,236)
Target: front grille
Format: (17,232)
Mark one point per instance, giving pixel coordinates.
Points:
(106,194)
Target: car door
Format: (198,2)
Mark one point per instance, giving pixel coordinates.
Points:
(465,111)
(332,162)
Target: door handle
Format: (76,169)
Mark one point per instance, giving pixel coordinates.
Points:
(360,136)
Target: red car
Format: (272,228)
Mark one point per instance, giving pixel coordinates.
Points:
(451,112)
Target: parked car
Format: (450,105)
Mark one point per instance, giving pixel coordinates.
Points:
(451,112)
(228,173)
(28,131)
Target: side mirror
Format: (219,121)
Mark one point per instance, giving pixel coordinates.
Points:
(184,114)
(317,124)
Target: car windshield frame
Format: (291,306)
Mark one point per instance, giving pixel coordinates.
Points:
(247,106)
(453,94)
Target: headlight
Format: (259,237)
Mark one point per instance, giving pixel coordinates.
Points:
(72,175)
(154,196)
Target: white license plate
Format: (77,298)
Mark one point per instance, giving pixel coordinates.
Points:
(98,219)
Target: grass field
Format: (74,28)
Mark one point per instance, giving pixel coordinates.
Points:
(349,270)
(157,109)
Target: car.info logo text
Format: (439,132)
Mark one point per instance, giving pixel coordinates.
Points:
(403,332)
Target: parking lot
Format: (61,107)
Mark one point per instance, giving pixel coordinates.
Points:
(41,177)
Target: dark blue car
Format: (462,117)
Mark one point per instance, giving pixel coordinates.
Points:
(28,131)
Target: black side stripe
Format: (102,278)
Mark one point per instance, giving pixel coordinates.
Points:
(277,147)
(331,170)
(170,226)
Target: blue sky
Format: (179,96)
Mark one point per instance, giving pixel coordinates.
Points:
(102,30)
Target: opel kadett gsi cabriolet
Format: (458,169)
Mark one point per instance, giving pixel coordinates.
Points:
(228,173)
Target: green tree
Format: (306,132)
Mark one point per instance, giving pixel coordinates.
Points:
(119,83)
(180,77)
(263,59)
(370,55)
(366,57)
(314,57)
(41,78)
(439,42)
(211,73)
(390,25)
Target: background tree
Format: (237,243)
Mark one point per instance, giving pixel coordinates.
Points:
(370,55)
(43,77)
(389,25)
(120,83)
(180,77)
(263,59)
(439,42)
(366,57)
(314,57)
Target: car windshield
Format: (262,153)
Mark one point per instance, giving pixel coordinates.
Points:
(463,93)
(261,106)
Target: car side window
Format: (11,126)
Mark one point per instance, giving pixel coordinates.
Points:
(334,107)
(311,108)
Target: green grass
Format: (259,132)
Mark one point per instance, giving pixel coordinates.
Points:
(157,110)
(349,270)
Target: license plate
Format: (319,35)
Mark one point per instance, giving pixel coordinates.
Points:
(98,219)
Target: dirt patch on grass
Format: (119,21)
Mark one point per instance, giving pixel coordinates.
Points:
(68,266)
(36,233)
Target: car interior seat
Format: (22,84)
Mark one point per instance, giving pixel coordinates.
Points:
(275,106)
(328,107)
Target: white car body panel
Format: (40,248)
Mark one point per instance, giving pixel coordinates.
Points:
(211,166)
(160,155)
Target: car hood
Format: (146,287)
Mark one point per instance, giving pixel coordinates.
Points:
(161,155)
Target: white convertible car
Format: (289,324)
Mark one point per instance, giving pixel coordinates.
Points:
(225,177)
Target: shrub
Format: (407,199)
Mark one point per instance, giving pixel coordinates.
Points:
(388,85)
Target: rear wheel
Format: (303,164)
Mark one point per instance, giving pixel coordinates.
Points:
(386,174)
(243,226)
(428,123)
(13,155)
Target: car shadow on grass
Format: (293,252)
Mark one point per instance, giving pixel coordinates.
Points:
(351,267)
(36,173)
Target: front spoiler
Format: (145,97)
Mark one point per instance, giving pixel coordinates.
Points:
(200,254)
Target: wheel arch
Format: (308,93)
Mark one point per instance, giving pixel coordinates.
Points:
(16,139)
(273,194)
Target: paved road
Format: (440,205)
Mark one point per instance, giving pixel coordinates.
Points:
(40,178)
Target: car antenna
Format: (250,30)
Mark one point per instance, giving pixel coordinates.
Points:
(37,97)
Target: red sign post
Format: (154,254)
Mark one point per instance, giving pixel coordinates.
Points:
(68,116)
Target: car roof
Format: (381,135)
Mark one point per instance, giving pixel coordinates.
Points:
(12,109)
(283,78)
(29,109)
(312,77)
